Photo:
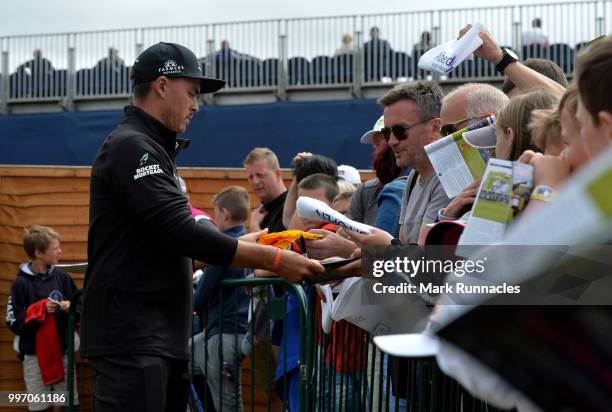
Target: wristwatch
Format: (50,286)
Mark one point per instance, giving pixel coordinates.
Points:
(508,57)
(543,193)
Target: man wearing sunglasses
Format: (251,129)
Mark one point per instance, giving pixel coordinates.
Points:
(412,121)
(469,104)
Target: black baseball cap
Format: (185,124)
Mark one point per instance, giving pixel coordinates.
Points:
(171,60)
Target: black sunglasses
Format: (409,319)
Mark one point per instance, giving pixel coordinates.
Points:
(400,132)
(451,128)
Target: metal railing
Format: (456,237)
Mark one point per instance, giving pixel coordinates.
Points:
(290,53)
(339,371)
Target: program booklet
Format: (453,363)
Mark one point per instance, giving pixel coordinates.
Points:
(504,192)
(460,158)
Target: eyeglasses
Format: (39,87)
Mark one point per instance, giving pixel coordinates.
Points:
(451,128)
(400,132)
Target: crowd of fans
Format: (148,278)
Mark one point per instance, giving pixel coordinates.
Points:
(541,120)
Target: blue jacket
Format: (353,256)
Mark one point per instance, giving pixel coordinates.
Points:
(29,288)
(232,317)
(291,344)
(389,207)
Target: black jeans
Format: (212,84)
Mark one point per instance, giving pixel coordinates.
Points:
(140,383)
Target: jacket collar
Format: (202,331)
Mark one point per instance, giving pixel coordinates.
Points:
(235,231)
(27,269)
(181,144)
(143,121)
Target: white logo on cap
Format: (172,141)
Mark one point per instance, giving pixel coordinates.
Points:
(170,67)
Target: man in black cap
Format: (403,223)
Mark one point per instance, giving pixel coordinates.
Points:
(136,314)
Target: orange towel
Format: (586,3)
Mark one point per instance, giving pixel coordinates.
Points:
(282,240)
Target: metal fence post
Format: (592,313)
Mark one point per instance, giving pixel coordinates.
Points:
(283,74)
(71,84)
(516,37)
(600,26)
(209,69)
(436,39)
(357,72)
(70,384)
(517,34)
(4,86)
(210,57)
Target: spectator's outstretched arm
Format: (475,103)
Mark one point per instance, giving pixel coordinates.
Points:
(291,199)
(255,219)
(331,245)
(522,76)
(377,237)
(290,202)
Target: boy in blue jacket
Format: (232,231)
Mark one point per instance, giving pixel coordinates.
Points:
(37,313)
(227,320)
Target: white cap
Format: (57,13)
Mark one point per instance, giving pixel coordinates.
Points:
(350,174)
(368,137)
(483,138)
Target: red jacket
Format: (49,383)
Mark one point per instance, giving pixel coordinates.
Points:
(48,348)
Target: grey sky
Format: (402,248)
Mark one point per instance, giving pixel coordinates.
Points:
(44,16)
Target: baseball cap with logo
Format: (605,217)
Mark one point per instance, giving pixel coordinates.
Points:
(368,137)
(173,61)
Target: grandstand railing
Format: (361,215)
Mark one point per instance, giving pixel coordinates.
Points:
(284,54)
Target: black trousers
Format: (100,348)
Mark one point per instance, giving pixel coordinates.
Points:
(140,383)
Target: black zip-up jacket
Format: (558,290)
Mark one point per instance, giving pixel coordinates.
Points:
(137,297)
(29,288)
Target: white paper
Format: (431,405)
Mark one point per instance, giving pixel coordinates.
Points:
(327,308)
(449,166)
(487,224)
(331,307)
(457,162)
(341,303)
(447,56)
(378,319)
(481,231)
(313,209)
(408,345)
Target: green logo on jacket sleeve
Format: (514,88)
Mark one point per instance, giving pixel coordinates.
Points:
(144,159)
